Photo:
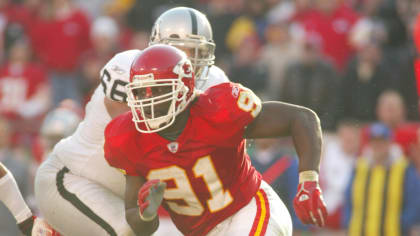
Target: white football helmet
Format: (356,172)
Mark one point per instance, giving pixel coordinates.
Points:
(187,28)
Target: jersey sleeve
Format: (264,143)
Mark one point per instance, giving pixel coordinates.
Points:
(234,106)
(116,74)
(114,149)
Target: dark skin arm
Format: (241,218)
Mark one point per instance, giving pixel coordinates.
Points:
(283,119)
(140,227)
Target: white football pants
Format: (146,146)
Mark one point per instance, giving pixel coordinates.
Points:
(264,215)
(74,205)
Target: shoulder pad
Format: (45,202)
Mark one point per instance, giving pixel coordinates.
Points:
(216,76)
(116,74)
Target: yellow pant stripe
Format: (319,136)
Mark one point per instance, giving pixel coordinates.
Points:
(263,214)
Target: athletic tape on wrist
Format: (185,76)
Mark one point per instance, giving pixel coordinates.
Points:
(308,175)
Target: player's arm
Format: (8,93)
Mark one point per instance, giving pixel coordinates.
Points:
(282,119)
(142,200)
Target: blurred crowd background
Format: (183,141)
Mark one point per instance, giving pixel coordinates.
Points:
(351,61)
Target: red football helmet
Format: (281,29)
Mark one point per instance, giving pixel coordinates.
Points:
(161,86)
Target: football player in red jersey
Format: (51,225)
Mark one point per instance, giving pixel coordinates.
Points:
(186,150)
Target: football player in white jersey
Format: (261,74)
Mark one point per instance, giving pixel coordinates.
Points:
(76,191)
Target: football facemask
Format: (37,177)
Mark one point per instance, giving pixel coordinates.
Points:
(157,98)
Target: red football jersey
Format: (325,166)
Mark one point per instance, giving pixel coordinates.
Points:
(208,173)
(332,32)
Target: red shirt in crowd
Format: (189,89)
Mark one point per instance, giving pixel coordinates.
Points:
(331,31)
(17,85)
(59,43)
(17,13)
(404,135)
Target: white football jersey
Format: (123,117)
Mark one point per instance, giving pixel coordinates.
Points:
(83,152)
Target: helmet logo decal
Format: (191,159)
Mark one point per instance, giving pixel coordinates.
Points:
(183,69)
(187,69)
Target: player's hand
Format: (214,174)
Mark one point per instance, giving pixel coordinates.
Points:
(150,197)
(42,228)
(308,203)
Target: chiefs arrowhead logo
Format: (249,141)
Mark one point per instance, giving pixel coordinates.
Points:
(187,68)
(183,69)
(173,147)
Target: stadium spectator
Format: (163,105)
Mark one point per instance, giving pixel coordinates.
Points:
(118,11)
(221,15)
(104,36)
(399,67)
(245,68)
(414,158)
(280,11)
(250,24)
(312,82)
(415,151)
(387,13)
(15,20)
(279,51)
(302,9)
(391,111)
(330,22)
(24,92)
(336,167)
(95,8)
(368,28)
(60,37)
(398,54)
(381,198)
(361,85)
(140,15)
